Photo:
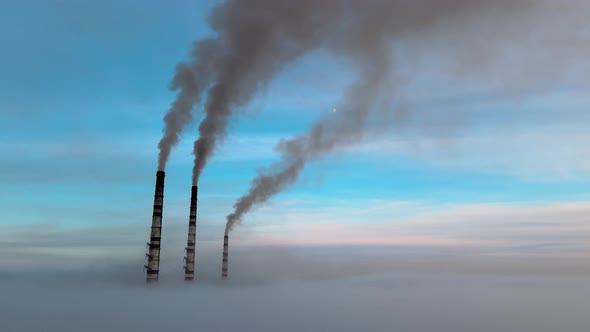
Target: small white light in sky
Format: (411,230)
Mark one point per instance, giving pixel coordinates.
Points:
(334,110)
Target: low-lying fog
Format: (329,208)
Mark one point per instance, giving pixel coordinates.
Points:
(307,289)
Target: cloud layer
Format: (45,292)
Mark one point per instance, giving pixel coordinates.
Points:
(402,302)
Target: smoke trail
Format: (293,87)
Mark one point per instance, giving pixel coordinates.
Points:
(190,79)
(261,37)
(256,39)
(367,35)
(326,135)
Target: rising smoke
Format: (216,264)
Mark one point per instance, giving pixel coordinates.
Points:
(190,79)
(368,33)
(322,137)
(258,38)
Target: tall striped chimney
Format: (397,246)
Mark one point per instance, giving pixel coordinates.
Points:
(225,256)
(153,255)
(189,267)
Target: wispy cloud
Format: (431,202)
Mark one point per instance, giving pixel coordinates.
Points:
(557,229)
(495,226)
(542,154)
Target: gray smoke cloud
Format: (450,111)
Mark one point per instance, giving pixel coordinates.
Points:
(367,36)
(260,37)
(323,137)
(190,80)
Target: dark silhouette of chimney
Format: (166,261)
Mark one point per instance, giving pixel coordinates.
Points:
(225,256)
(153,255)
(189,259)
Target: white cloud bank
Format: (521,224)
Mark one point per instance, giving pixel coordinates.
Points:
(509,268)
(388,302)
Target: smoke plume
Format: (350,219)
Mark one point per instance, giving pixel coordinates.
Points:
(260,37)
(367,34)
(323,137)
(190,80)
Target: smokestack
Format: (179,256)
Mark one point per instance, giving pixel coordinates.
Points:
(189,268)
(225,256)
(153,255)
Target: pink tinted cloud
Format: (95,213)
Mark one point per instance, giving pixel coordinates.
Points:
(335,234)
(493,226)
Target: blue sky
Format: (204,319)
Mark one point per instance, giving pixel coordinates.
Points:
(84,90)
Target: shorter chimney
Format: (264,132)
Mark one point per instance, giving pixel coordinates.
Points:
(225,256)
(189,267)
